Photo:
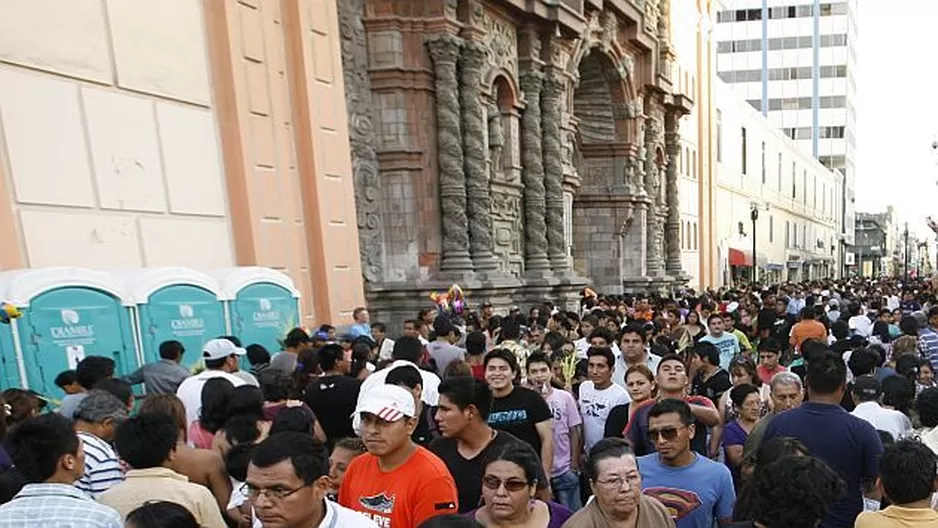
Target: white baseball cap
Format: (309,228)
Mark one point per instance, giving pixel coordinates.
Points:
(221,348)
(388,402)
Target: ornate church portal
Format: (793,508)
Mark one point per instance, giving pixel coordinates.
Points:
(522,148)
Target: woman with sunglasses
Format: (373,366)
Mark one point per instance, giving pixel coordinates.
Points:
(509,483)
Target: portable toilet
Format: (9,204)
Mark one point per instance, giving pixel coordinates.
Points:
(174,303)
(68,314)
(263,304)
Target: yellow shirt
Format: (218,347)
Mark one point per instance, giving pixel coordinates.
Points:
(898,517)
(162,484)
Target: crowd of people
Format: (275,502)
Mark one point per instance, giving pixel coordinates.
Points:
(789,406)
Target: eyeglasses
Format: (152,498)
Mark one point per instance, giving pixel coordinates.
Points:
(511,485)
(253,493)
(616,482)
(668,433)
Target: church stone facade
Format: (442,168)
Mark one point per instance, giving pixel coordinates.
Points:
(521,148)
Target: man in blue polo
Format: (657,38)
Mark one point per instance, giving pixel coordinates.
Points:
(848,444)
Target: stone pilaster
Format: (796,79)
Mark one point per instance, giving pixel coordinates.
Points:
(444,50)
(535,206)
(474,130)
(672,140)
(362,139)
(552,102)
(652,182)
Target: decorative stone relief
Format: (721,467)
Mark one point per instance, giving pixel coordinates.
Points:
(362,138)
(507,226)
(626,68)
(610,28)
(450,8)
(652,13)
(501,42)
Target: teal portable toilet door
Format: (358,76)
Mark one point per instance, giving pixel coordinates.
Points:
(263,313)
(182,312)
(65,325)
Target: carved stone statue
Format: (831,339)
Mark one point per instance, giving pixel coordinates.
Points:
(496,140)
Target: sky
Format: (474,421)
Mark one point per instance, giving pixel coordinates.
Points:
(897,109)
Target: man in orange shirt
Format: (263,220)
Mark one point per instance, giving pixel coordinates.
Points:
(807,328)
(397,483)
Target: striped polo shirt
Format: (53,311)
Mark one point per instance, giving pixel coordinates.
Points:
(102,466)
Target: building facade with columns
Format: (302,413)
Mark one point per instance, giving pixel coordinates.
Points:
(523,149)
(179,133)
(374,150)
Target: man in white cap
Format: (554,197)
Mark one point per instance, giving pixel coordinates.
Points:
(396,483)
(221,361)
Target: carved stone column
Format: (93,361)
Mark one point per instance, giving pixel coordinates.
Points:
(652,131)
(672,140)
(532,176)
(552,113)
(444,50)
(474,130)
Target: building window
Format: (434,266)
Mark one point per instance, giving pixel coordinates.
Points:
(687,228)
(794,189)
(804,186)
(695,236)
(719,136)
(779,172)
(763,163)
(744,150)
(771,229)
(693,165)
(787,234)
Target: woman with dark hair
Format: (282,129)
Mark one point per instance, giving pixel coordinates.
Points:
(246,422)
(769,451)
(361,367)
(276,387)
(509,484)
(161,514)
(215,395)
(793,492)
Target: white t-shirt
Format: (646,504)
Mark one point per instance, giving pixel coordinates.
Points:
(595,406)
(387,347)
(889,420)
(861,325)
(337,516)
(190,391)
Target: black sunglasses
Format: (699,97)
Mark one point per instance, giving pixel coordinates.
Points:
(668,433)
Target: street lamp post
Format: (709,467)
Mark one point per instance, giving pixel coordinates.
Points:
(754,215)
(906,266)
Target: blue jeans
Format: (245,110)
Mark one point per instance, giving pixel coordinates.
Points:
(566,488)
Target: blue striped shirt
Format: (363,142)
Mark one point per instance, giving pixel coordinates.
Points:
(102,466)
(56,506)
(928,345)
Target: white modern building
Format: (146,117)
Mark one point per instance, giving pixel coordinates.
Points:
(794,61)
(798,200)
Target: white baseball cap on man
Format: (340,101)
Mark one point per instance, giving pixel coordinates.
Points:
(388,402)
(220,349)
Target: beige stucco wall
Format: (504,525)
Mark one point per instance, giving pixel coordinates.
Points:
(109,149)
